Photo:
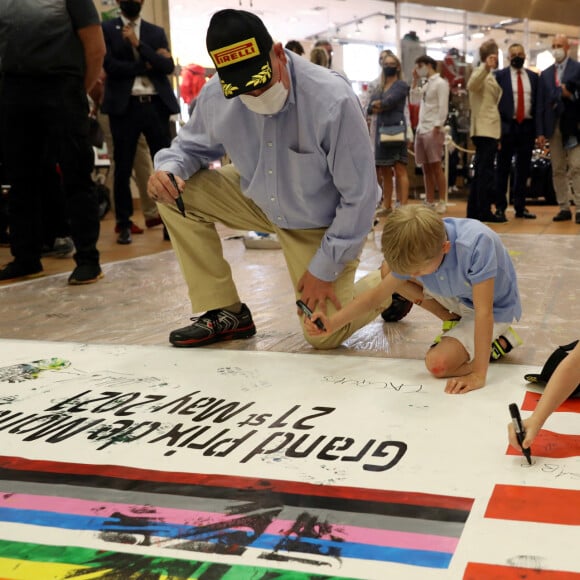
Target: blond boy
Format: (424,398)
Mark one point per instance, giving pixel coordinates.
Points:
(457,269)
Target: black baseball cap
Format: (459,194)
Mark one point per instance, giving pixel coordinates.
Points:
(551,365)
(239,46)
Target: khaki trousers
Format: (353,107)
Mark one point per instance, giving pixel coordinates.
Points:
(565,169)
(215,196)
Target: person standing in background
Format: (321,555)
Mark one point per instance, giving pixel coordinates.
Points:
(295,46)
(388,102)
(50,57)
(138,98)
(325,44)
(555,101)
(142,165)
(432,95)
(319,56)
(484,96)
(517,109)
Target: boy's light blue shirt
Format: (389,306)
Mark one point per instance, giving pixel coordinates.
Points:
(309,166)
(477,254)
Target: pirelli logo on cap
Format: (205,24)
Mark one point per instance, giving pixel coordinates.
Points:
(235,53)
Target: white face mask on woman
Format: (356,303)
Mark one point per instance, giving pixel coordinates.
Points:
(269,102)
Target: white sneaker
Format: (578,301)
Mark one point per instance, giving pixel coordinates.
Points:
(441,207)
(261,241)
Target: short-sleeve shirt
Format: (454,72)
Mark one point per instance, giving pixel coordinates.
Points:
(476,255)
(38,37)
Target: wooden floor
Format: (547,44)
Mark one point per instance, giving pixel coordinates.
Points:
(151,242)
(143,296)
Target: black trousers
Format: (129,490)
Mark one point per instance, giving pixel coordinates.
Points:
(519,142)
(482,190)
(149,117)
(44,124)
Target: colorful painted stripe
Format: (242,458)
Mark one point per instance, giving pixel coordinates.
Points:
(178,523)
(477,571)
(552,444)
(535,504)
(218,505)
(568,406)
(249,513)
(24,561)
(386,502)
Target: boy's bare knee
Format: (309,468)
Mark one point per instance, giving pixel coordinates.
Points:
(436,364)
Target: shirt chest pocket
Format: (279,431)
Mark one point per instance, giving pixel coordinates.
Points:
(308,171)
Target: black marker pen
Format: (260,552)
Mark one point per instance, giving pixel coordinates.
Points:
(308,313)
(520,431)
(178,199)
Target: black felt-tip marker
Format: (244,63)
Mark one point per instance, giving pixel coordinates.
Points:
(178,199)
(520,431)
(308,313)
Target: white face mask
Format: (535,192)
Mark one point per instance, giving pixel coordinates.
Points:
(269,102)
(422,72)
(559,54)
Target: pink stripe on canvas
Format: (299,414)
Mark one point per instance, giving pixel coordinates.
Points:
(348,533)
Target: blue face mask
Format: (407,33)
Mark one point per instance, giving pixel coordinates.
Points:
(390,71)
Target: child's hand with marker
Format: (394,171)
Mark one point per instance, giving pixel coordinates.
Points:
(562,383)
(531,428)
(316,323)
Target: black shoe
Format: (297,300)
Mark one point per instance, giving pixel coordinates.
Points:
(398,309)
(15,270)
(124,237)
(526,215)
(500,215)
(562,216)
(214,326)
(492,219)
(85,274)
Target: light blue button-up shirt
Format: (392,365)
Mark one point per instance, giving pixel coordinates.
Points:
(477,254)
(309,166)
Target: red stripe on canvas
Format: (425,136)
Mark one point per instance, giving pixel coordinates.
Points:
(553,445)
(568,406)
(237,482)
(546,505)
(477,571)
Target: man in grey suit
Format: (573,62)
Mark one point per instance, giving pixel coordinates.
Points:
(556,104)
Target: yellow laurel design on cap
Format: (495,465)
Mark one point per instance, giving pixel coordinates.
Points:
(228,88)
(259,79)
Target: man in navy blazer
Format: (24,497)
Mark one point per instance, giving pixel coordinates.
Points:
(518,131)
(138,99)
(556,106)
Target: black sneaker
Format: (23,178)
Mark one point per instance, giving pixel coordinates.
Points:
(214,326)
(14,270)
(85,274)
(398,309)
